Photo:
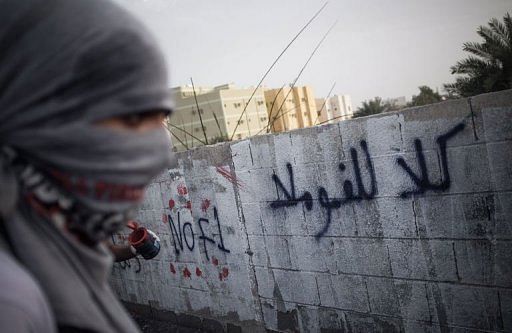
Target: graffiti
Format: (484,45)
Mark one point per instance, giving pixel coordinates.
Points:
(179,233)
(186,273)
(182,199)
(422,181)
(185,236)
(205,204)
(224,172)
(224,273)
(324,201)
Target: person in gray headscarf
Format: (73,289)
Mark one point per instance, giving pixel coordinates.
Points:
(83,94)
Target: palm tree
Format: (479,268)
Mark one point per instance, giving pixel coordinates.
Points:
(426,96)
(489,67)
(370,107)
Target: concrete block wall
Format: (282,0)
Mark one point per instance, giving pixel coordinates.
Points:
(400,222)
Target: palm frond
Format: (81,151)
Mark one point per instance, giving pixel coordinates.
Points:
(477,49)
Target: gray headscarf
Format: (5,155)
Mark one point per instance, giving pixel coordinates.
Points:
(64,66)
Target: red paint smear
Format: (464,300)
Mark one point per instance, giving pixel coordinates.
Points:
(173,270)
(182,190)
(165,218)
(198,272)
(171,204)
(204,205)
(188,205)
(186,273)
(227,174)
(215,261)
(225,272)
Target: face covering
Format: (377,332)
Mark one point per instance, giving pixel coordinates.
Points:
(70,68)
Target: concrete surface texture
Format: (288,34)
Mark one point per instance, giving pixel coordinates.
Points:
(400,222)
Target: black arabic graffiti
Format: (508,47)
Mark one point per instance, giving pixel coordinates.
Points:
(323,197)
(422,182)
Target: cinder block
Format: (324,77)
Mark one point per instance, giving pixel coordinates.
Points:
(422,259)
(471,307)
(329,142)
(500,155)
(330,320)
(284,152)
(491,103)
(476,261)
(345,292)
(305,145)
(383,296)
(295,286)
(278,251)
(308,318)
(498,123)
(503,257)
(381,217)
(469,169)
(362,256)
(266,282)
(358,322)
(506,308)
(456,216)
(429,122)
(312,254)
(252,218)
(382,134)
(317,221)
(280,316)
(242,155)
(412,299)
(262,151)
(258,247)
(412,326)
(255,185)
(504,215)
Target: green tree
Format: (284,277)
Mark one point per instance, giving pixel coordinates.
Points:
(426,96)
(370,107)
(489,67)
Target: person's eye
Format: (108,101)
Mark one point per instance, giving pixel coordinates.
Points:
(133,120)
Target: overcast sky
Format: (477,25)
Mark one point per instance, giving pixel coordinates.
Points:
(378,48)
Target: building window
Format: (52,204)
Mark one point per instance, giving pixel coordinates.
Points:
(196,129)
(319,113)
(263,118)
(303,99)
(239,136)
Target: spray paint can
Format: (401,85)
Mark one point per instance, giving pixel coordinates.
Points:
(146,244)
